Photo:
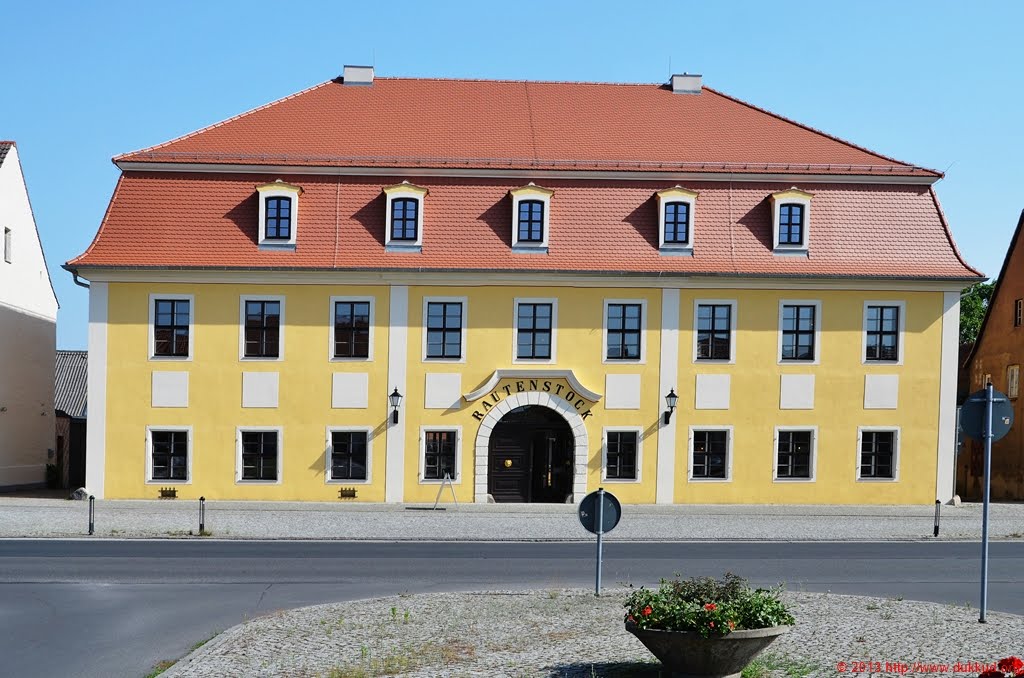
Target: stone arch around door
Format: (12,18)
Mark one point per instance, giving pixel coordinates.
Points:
(559,405)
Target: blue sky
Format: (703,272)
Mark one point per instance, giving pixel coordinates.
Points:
(938,84)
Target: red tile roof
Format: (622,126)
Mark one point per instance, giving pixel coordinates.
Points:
(402,122)
(181,219)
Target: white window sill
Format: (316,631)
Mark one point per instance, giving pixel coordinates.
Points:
(403,248)
(668,250)
(170,358)
(347,482)
(709,480)
(784,251)
(272,245)
(793,480)
(877,480)
(521,248)
(621,481)
(169,482)
(439,482)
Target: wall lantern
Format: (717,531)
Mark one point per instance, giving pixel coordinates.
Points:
(396,400)
(670,402)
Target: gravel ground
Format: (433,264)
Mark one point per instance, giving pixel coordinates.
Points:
(572,633)
(32,517)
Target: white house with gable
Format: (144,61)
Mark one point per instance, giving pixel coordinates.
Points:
(28,335)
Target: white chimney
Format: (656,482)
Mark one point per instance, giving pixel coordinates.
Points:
(357,75)
(686,84)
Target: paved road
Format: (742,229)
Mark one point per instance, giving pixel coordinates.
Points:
(114,608)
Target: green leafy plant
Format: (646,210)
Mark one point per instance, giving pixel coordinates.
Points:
(706,606)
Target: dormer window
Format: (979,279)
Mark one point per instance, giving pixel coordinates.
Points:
(404,215)
(530,218)
(279,214)
(791,219)
(676,208)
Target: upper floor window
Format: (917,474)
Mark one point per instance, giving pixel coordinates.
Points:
(534,330)
(1018,312)
(262,328)
(799,331)
(404,217)
(715,329)
(352,328)
(883,331)
(279,218)
(675,220)
(444,330)
(8,254)
(1012,381)
(279,213)
(623,330)
(171,326)
(791,217)
(530,218)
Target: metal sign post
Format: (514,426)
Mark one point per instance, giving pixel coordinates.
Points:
(987,415)
(599,513)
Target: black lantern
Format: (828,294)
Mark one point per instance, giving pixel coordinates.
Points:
(670,401)
(396,400)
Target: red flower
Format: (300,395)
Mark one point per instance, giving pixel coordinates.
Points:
(647,611)
(1011,665)
(711,624)
(710,606)
(732,625)
(992,673)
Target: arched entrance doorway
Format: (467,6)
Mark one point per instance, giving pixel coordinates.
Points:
(530,457)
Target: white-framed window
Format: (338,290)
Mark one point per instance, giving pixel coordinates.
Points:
(884,327)
(8,251)
(878,453)
(531,218)
(621,454)
(403,217)
(676,218)
(800,331)
(624,331)
(714,330)
(1018,312)
(1012,381)
(261,327)
(279,214)
(171,326)
(258,455)
(349,455)
(444,329)
(351,335)
(168,455)
(440,453)
(536,322)
(710,454)
(791,221)
(796,454)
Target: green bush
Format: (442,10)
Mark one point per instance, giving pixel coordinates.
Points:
(706,606)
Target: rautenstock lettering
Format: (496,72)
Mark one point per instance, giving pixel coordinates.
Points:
(487,402)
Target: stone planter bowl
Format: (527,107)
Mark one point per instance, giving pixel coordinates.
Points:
(688,655)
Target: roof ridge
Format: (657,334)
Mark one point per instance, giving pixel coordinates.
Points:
(819,132)
(149,149)
(515,81)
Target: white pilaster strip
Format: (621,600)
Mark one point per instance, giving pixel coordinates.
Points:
(669,372)
(96,381)
(398,358)
(946,455)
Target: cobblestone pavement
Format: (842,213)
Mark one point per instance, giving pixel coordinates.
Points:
(572,633)
(40,517)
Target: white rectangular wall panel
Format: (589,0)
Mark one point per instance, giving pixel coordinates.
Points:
(350,390)
(881,391)
(443,390)
(796,392)
(259,389)
(713,391)
(622,392)
(170,389)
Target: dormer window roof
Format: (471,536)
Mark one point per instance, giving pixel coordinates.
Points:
(676,209)
(278,213)
(530,218)
(791,221)
(404,217)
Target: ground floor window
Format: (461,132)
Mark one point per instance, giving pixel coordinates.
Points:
(439,454)
(348,455)
(794,455)
(709,455)
(169,455)
(620,459)
(878,455)
(260,459)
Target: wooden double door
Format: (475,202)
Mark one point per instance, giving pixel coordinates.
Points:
(530,458)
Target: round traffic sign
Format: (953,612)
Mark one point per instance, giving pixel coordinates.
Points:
(972,415)
(611,513)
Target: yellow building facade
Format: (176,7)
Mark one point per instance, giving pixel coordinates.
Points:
(341,327)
